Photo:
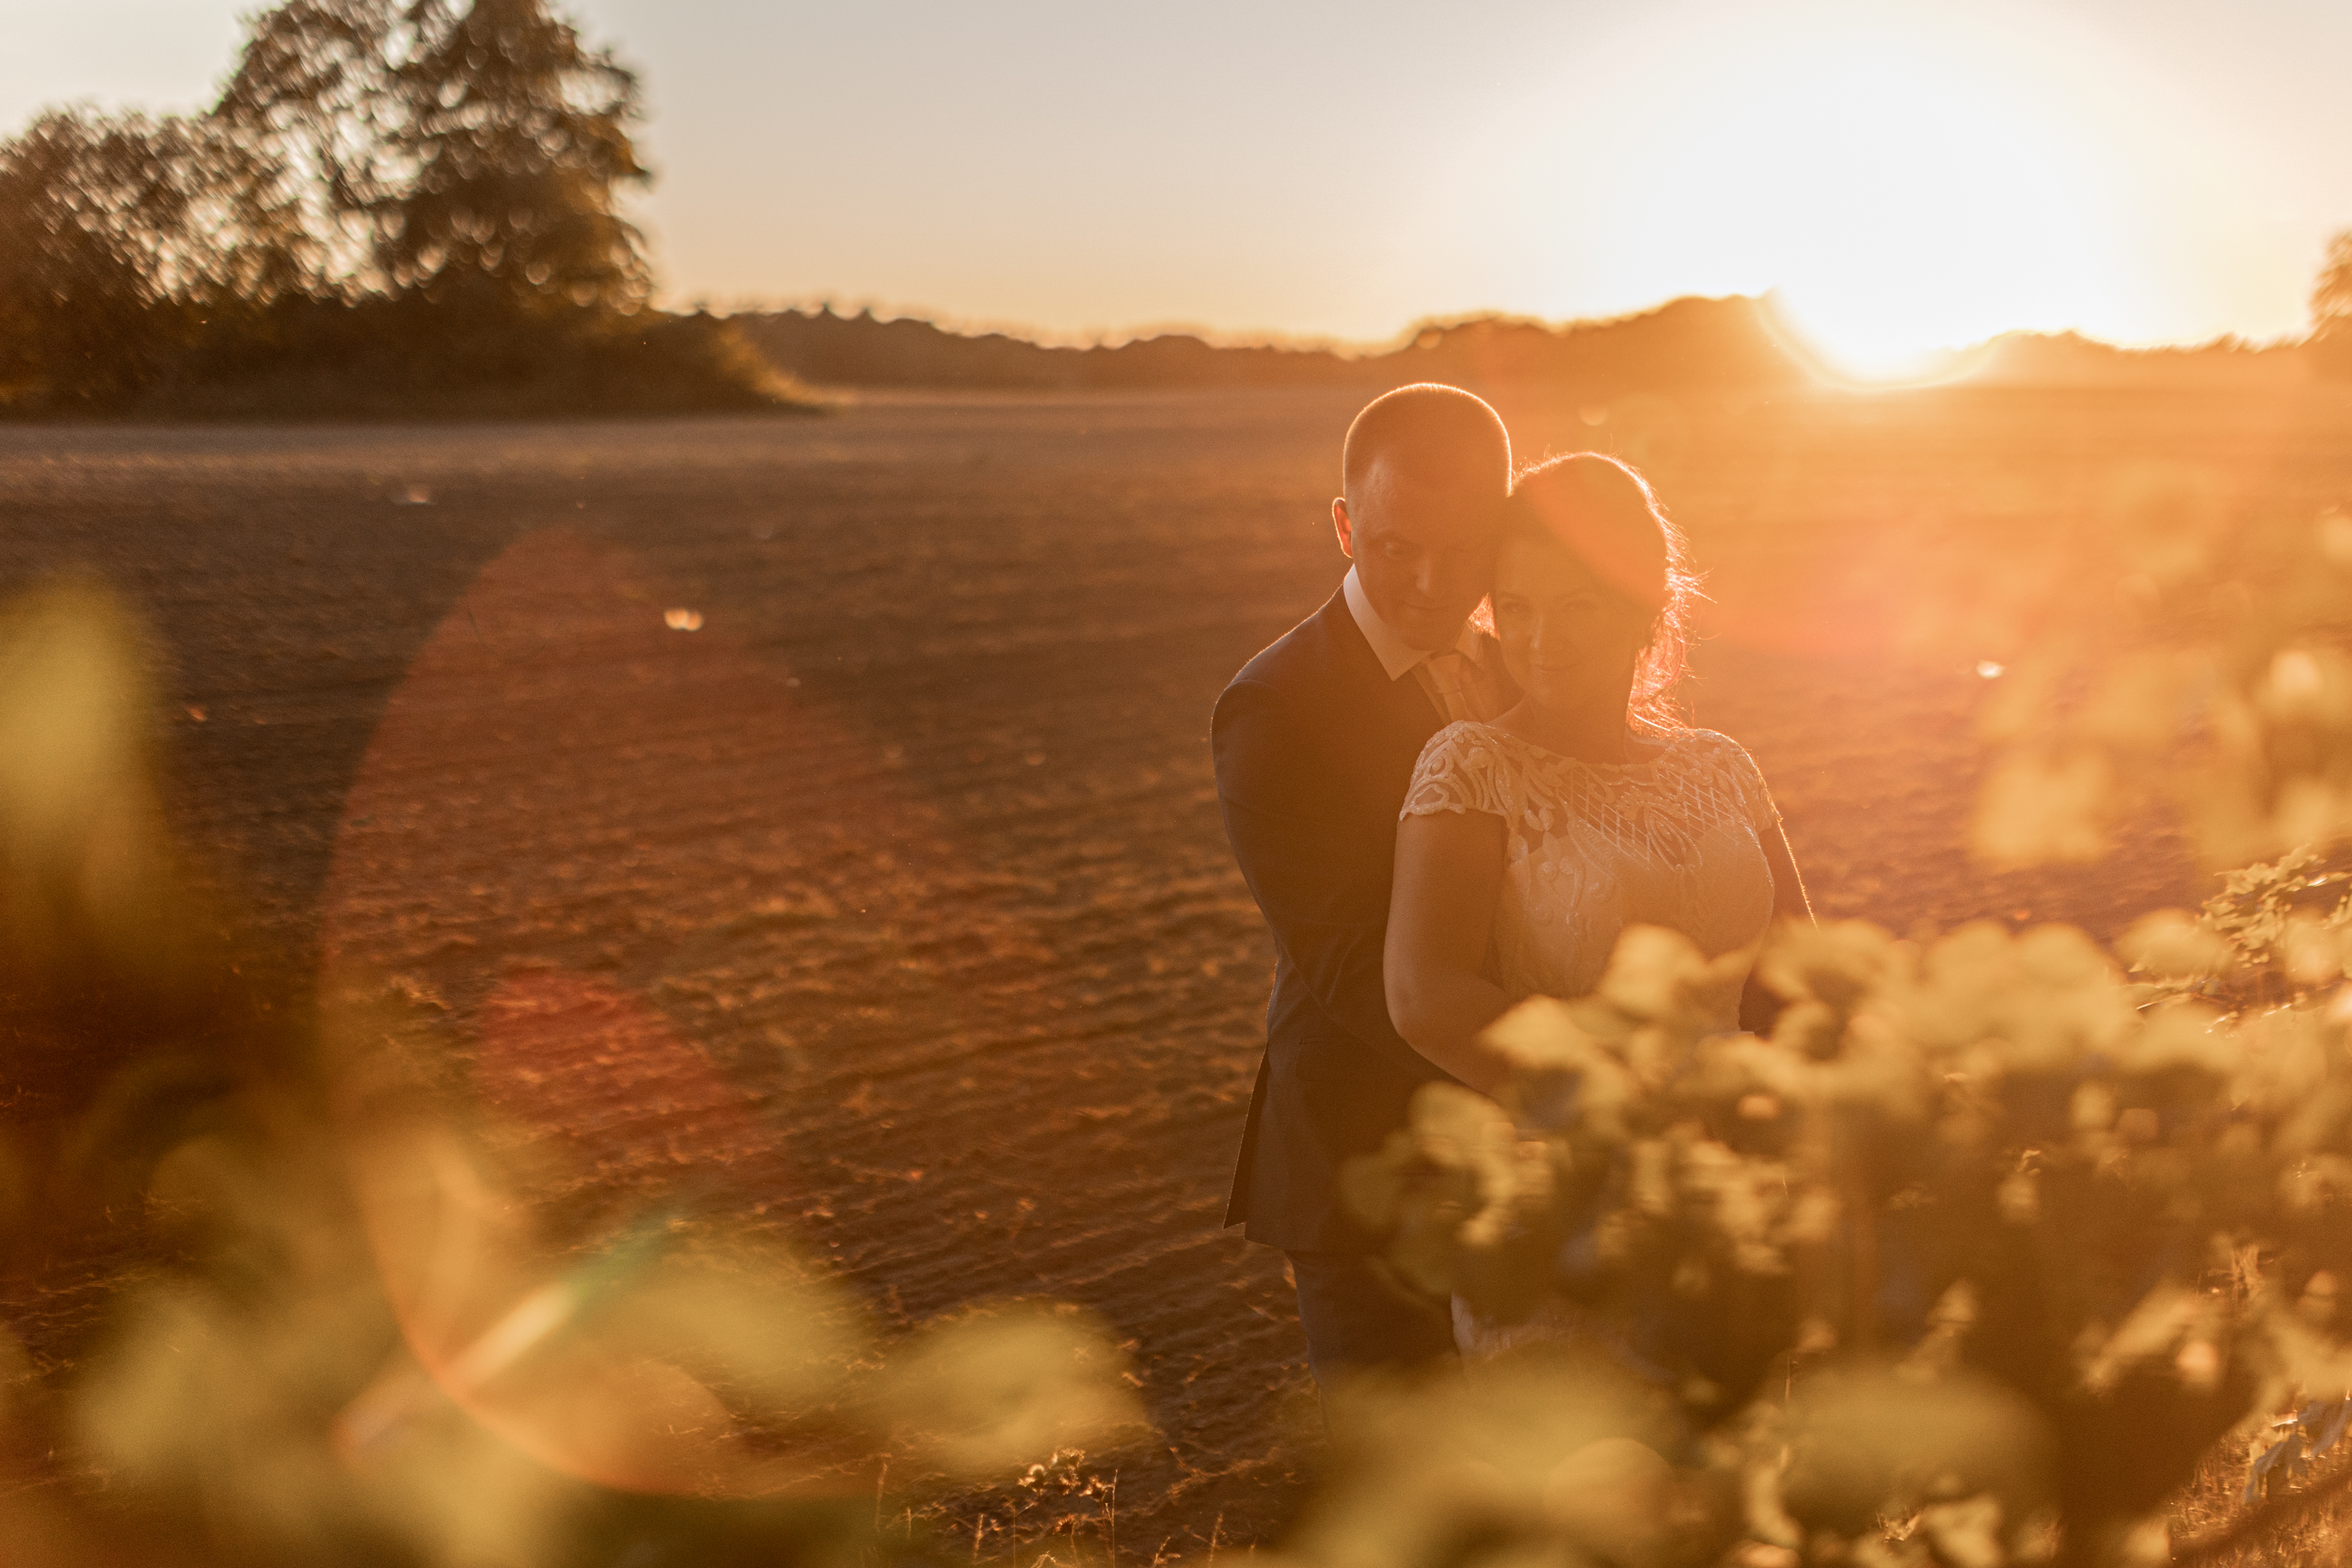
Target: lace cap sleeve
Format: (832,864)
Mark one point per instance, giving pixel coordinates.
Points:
(1747,780)
(1461,769)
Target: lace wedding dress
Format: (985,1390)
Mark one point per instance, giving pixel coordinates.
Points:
(1676,840)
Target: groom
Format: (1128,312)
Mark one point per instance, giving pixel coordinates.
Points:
(1315,742)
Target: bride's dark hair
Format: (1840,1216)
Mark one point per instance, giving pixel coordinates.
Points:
(1604,513)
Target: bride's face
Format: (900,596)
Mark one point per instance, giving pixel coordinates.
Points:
(1570,643)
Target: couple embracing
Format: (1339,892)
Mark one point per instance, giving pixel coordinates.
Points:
(1442,812)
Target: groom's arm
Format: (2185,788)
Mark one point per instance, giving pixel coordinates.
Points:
(1291,846)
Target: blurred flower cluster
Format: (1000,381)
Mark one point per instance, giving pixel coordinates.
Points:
(279,1289)
(2168,649)
(1968,1262)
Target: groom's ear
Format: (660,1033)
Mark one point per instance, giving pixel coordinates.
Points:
(1344,527)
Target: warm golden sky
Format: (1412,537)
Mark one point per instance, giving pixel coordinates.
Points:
(1907,174)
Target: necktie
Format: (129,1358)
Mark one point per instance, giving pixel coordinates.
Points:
(1452,682)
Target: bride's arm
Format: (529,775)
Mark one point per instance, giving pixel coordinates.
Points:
(1442,910)
(1788,899)
(1760,1009)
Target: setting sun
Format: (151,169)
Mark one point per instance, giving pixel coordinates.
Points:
(1901,185)
(1903,197)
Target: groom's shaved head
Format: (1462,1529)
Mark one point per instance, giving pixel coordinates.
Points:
(1427,430)
(1425,471)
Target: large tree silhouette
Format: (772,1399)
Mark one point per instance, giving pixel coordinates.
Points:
(518,135)
(473,155)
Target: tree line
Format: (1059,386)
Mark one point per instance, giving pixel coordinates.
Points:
(394,206)
(1721,344)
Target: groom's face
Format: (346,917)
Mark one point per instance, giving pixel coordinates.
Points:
(1423,543)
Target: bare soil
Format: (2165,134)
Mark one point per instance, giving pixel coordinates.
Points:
(890,904)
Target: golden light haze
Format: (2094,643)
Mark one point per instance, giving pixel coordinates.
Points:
(1905,180)
(1906,176)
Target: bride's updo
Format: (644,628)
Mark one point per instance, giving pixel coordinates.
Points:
(1605,514)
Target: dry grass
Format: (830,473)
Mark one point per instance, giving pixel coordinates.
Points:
(2211,1508)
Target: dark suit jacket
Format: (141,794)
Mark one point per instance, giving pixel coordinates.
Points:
(1314,748)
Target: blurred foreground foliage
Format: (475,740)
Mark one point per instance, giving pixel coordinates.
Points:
(278,1290)
(397,207)
(1969,1262)
(2171,644)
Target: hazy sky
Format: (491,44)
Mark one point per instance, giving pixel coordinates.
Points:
(1906,173)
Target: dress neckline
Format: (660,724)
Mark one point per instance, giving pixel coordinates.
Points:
(1666,748)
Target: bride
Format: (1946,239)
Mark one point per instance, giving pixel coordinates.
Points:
(1528,843)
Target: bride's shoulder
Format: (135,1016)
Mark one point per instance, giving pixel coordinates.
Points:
(1712,748)
(1714,756)
(1706,743)
(1464,768)
(1463,740)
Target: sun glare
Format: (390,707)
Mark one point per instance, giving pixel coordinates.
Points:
(1903,185)
(1854,350)
(1907,195)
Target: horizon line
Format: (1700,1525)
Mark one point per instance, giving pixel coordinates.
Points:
(1348,348)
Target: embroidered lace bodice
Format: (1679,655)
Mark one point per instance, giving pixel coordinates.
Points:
(1591,848)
